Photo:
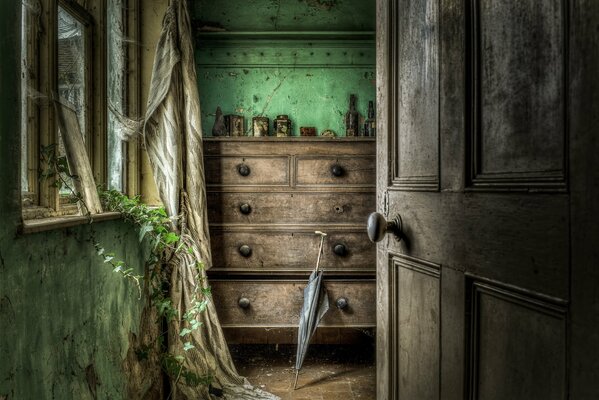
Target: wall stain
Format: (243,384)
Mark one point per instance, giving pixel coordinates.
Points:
(327,5)
(6,306)
(92,380)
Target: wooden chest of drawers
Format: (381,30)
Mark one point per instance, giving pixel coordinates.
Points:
(266,197)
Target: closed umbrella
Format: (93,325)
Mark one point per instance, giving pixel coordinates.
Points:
(316,304)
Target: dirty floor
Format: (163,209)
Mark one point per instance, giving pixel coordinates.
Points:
(330,372)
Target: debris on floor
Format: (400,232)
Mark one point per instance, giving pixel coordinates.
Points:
(330,372)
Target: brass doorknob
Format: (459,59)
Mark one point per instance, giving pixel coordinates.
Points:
(377,226)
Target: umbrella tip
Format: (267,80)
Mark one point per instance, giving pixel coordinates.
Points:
(320,233)
(296,375)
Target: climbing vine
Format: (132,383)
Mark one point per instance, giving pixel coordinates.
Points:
(155,229)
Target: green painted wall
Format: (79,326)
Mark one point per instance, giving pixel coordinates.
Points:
(287,15)
(300,58)
(65,318)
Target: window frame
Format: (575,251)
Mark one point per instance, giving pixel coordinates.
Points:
(41,200)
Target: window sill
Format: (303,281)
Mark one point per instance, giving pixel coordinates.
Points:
(47,224)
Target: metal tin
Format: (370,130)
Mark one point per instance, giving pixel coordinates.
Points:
(260,126)
(235,125)
(282,125)
(308,131)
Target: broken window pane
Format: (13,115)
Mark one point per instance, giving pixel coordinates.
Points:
(117,86)
(72,83)
(71,64)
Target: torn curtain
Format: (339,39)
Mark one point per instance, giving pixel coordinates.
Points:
(173,140)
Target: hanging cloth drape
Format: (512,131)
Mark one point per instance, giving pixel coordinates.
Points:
(173,140)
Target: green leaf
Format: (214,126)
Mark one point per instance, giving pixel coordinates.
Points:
(188,346)
(144,230)
(185,331)
(108,259)
(171,238)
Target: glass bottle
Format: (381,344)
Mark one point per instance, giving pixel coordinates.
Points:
(352,118)
(370,123)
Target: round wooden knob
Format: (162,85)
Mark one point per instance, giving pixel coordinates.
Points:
(341,303)
(245,208)
(340,249)
(244,303)
(243,170)
(377,226)
(245,250)
(337,170)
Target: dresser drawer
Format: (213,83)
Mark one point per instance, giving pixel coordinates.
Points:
(357,171)
(278,303)
(289,208)
(247,170)
(256,251)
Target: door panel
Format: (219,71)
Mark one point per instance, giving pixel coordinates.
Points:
(416,344)
(417,58)
(473,154)
(508,332)
(515,239)
(518,50)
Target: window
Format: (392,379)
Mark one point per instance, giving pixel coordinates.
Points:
(84,53)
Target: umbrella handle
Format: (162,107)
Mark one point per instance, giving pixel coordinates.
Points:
(320,250)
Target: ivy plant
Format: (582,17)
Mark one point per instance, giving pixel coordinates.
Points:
(156,229)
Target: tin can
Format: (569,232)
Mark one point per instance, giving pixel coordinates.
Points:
(282,125)
(235,125)
(308,131)
(260,126)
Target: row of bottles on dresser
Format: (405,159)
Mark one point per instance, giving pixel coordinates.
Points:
(352,120)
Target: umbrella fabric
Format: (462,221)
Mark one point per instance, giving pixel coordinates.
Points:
(316,304)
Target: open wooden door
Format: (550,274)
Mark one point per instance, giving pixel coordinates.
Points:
(487,139)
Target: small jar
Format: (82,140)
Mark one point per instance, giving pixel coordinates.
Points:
(235,125)
(282,125)
(260,126)
(307,131)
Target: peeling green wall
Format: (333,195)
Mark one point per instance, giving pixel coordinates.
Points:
(65,318)
(300,58)
(287,15)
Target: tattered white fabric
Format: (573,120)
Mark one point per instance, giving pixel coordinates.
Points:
(173,141)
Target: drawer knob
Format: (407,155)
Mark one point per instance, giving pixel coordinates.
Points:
(245,250)
(340,249)
(337,170)
(243,170)
(341,303)
(245,208)
(244,303)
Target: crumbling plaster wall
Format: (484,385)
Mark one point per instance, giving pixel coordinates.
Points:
(66,320)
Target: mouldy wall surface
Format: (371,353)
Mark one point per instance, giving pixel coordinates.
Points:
(287,15)
(65,317)
(308,78)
